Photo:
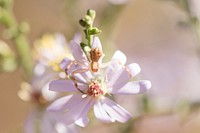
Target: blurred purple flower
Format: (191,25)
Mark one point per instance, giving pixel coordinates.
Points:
(50,49)
(90,88)
(37,92)
(47,122)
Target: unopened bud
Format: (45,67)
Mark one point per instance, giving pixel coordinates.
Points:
(83,23)
(94,31)
(88,19)
(91,13)
(85,47)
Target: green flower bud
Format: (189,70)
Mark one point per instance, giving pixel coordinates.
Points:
(83,23)
(94,31)
(87,49)
(88,20)
(91,13)
(83,45)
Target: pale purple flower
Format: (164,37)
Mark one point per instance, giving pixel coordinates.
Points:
(38,88)
(47,122)
(91,88)
(51,49)
(39,120)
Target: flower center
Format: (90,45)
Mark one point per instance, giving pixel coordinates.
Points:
(38,98)
(95,90)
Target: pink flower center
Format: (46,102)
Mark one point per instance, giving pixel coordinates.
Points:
(94,90)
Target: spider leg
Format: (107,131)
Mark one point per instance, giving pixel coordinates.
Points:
(76,85)
(78,81)
(81,64)
(76,63)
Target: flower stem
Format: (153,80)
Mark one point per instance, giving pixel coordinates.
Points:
(87,23)
(24,54)
(16,32)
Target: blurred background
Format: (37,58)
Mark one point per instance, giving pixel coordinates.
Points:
(162,36)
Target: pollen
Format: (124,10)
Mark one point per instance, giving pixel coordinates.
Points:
(95,90)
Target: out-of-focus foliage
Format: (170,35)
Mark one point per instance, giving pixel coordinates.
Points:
(7,58)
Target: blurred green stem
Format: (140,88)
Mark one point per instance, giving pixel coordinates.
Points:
(16,32)
(24,54)
(194,22)
(108,18)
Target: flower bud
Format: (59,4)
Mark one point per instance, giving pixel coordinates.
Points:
(91,13)
(86,21)
(85,47)
(94,31)
(83,23)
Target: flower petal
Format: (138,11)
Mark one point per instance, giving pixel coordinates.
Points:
(135,87)
(122,76)
(116,111)
(77,52)
(120,57)
(134,69)
(119,79)
(101,113)
(62,86)
(83,76)
(64,64)
(83,121)
(96,43)
(47,123)
(29,124)
(117,63)
(78,112)
(60,103)
(77,37)
(82,87)
(63,128)
(112,69)
(78,70)
(73,67)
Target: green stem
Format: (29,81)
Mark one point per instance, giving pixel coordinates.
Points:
(24,54)
(89,38)
(19,38)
